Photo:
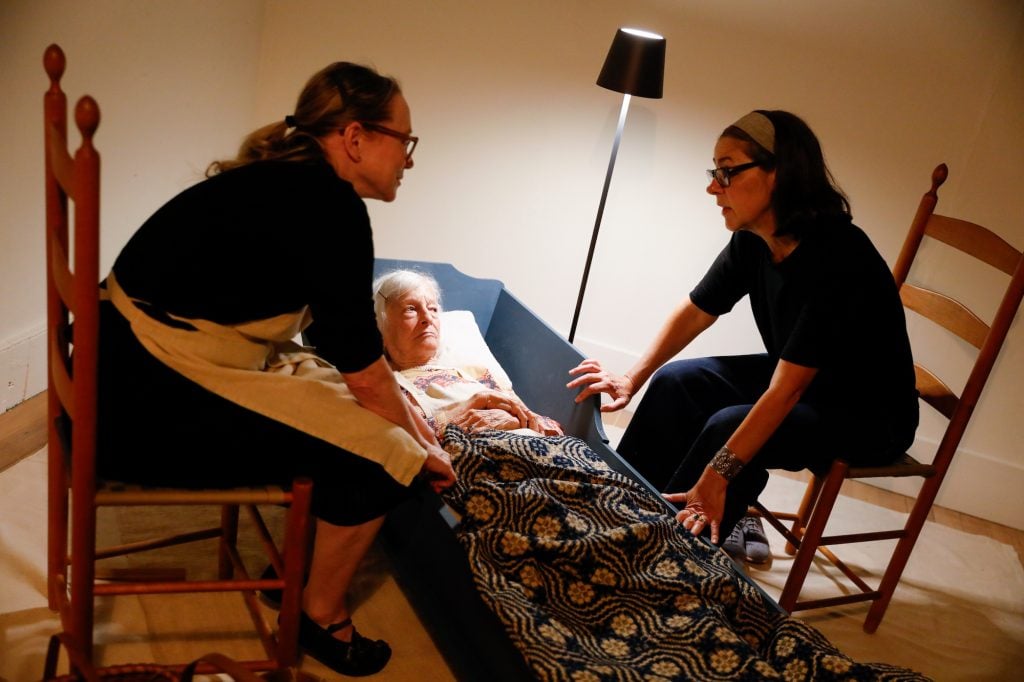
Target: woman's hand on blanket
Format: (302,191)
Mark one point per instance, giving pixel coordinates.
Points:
(703,507)
(595,379)
(437,469)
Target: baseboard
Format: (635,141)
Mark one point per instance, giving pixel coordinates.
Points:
(976,484)
(22,368)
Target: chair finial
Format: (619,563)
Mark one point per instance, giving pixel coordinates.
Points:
(939,176)
(87,116)
(54,63)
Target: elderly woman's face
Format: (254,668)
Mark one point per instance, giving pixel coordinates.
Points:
(412,327)
(746,202)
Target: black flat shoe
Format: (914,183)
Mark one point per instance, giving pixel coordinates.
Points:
(362,656)
(271,598)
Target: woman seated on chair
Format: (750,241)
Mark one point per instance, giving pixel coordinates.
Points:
(204,300)
(408,309)
(837,379)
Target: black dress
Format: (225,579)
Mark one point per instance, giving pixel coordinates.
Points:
(831,305)
(252,243)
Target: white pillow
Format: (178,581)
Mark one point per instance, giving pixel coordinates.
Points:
(462,345)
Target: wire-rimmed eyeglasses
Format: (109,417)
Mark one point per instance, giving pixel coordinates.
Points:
(410,141)
(723,175)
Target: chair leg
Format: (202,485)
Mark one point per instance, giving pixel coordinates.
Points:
(228,538)
(81,604)
(296,551)
(812,534)
(57,528)
(901,554)
(811,493)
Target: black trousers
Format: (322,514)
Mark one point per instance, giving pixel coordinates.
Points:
(690,410)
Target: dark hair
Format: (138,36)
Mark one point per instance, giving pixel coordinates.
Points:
(334,97)
(805,190)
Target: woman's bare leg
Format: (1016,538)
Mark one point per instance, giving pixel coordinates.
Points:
(337,552)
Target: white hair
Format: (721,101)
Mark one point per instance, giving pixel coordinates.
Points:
(396,283)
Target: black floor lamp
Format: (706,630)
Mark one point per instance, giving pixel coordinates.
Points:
(635,65)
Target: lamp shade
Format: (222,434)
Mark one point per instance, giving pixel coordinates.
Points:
(635,64)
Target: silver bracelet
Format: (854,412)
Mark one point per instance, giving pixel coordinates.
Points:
(726,463)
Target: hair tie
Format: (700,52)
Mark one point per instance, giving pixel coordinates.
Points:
(289,121)
(760,128)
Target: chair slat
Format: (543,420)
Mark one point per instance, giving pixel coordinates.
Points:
(934,392)
(978,241)
(60,379)
(63,280)
(945,311)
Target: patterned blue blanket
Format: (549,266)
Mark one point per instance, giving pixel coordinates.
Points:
(594,581)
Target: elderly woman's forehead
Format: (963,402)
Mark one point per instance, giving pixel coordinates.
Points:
(424,290)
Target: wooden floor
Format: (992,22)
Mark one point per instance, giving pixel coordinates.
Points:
(23,431)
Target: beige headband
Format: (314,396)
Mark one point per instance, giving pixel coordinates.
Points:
(760,128)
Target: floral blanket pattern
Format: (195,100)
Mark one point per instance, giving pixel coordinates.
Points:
(595,581)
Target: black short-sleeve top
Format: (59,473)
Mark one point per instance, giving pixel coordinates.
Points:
(258,241)
(832,304)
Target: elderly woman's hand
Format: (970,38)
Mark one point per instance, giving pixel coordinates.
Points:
(596,379)
(488,400)
(482,420)
(491,399)
(546,426)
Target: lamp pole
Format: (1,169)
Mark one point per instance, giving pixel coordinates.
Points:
(635,65)
(600,213)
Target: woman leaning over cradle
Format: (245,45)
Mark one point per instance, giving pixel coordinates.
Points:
(837,379)
(197,361)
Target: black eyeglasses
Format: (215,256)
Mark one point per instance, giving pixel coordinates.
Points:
(410,141)
(723,176)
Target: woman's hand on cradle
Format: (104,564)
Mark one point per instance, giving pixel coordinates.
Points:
(437,469)
(703,505)
(596,379)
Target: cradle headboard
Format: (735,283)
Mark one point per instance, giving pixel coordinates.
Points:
(534,355)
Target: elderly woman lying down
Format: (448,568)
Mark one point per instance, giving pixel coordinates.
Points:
(587,569)
(470,396)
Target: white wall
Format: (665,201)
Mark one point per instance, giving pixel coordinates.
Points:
(175,82)
(515,139)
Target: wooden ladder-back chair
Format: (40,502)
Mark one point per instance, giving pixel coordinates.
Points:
(806,536)
(73,339)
